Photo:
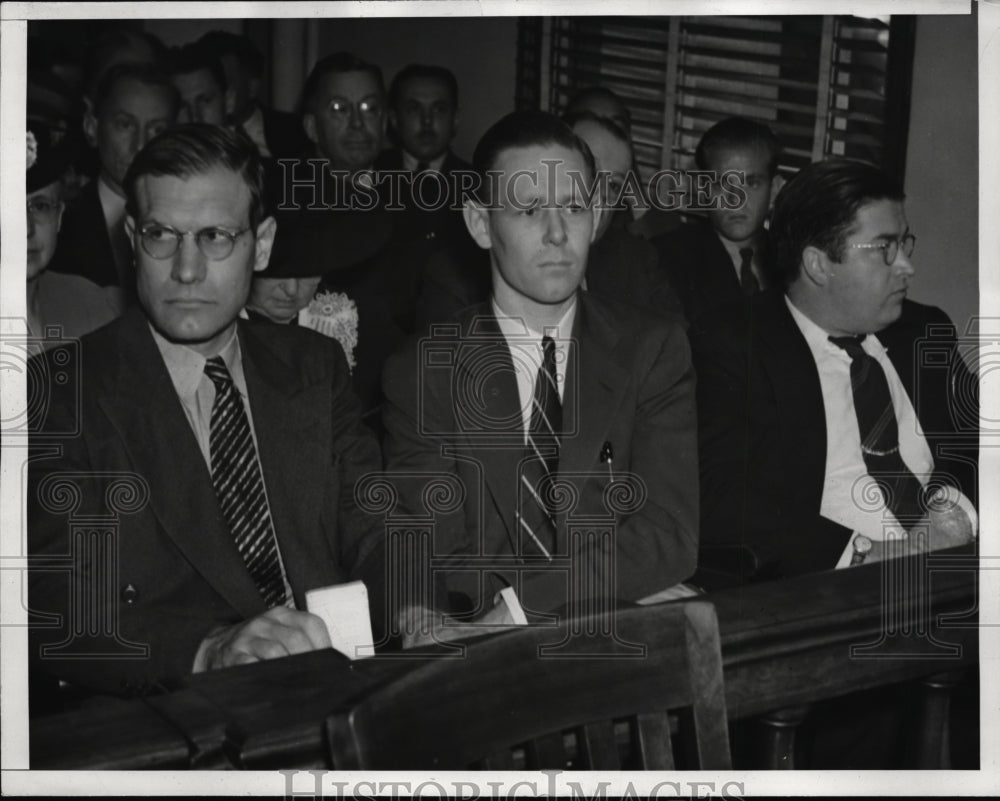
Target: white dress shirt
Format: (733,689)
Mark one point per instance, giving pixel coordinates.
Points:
(849,495)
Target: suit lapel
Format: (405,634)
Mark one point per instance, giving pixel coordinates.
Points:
(595,386)
(163,450)
(292,445)
(485,375)
(786,357)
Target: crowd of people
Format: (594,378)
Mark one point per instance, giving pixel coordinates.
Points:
(273,306)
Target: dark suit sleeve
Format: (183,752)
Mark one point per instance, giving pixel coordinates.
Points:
(757,520)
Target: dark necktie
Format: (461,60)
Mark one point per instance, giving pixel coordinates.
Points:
(748,281)
(422,166)
(880,435)
(239,485)
(537,518)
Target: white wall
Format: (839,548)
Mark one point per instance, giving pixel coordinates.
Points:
(942,166)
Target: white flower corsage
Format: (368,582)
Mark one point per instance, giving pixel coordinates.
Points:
(335,315)
(32,151)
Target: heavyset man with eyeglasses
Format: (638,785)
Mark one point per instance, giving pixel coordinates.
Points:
(831,408)
(247,439)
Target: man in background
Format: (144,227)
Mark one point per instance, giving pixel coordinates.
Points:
(197,74)
(714,263)
(132,104)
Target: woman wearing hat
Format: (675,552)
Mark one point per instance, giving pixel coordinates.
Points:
(58,305)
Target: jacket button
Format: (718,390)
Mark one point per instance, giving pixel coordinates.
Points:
(129,594)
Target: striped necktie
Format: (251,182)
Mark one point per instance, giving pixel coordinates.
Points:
(239,485)
(536,517)
(879,431)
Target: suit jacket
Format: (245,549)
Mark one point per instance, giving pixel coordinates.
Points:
(177,573)
(762,431)
(628,383)
(620,266)
(699,268)
(84,247)
(284,134)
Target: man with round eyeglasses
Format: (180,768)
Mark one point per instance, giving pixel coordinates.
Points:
(247,439)
(826,438)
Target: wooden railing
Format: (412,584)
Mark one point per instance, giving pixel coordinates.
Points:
(785,645)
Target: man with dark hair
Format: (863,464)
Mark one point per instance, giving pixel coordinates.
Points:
(132,104)
(423,114)
(344,111)
(235,448)
(824,439)
(544,384)
(201,82)
(277,134)
(716,262)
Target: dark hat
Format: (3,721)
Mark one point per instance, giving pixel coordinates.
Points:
(312,243)
(48,156)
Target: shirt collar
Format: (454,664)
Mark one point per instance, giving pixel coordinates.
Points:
(516,327)
(818,338)
(187,367)
(112,203)
(410,162)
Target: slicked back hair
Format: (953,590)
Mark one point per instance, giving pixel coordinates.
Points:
(331,65)
(425,71)
(195,149)
(735,133)
(818,208)
(524,129)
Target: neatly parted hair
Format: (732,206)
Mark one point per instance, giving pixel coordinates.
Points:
(524,129)
(428,72)
(737,132)
(226,43)
(194,149)
(146,74)
(331,65)
(818,208)
(194,57)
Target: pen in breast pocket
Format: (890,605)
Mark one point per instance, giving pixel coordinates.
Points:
(607,455)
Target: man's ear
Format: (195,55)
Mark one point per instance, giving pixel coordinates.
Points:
(777,182)
(309,126)
(598,210)
(477,220)
(62,208)
(90,124)
(816,266)
(230,100)
(264,243)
